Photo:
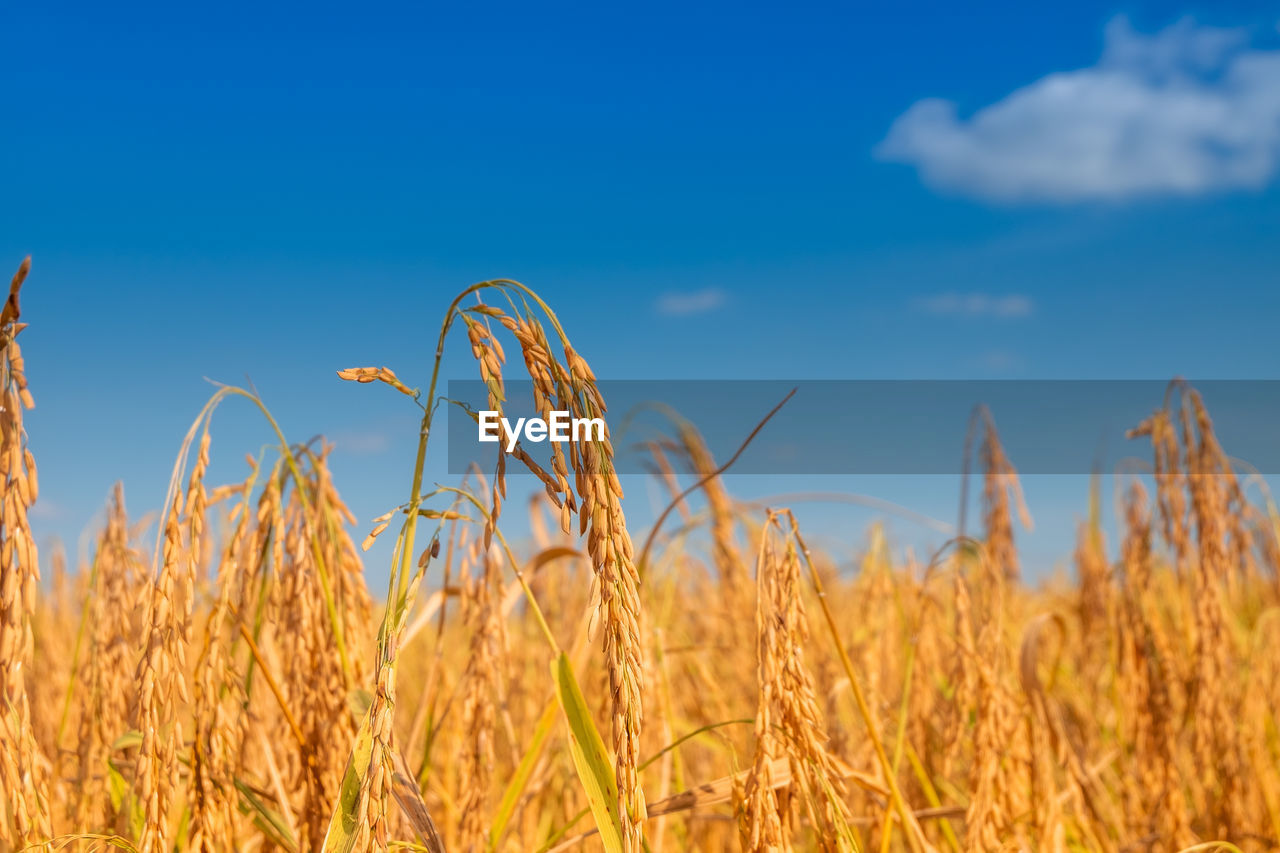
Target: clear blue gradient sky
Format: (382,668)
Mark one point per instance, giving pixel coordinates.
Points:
(275,191)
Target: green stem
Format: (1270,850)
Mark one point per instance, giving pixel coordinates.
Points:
(401,572)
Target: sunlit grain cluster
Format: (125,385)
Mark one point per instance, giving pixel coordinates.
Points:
(721,686)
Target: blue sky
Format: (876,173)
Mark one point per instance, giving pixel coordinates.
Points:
(817,191)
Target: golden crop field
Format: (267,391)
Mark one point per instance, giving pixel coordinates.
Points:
(597,687)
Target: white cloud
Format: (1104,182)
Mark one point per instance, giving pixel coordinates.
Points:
(691,302)
(1186,111)
(976,305)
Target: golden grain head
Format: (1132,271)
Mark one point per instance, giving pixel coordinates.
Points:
(245,690)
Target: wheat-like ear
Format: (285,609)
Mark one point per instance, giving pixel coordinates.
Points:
(482,684)
(573,387)
(609,545)
(788,719)
(1000,489)
(23,784)
(1156,801)
(1216,701)
(162,672)
(309,531)
(113,627)
(1127,708)
(220,721)
(761,815)
(999,768)
(733,575)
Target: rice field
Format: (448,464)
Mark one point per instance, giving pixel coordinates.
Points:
(595,687)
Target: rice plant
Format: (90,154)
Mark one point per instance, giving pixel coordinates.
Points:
(241,687)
